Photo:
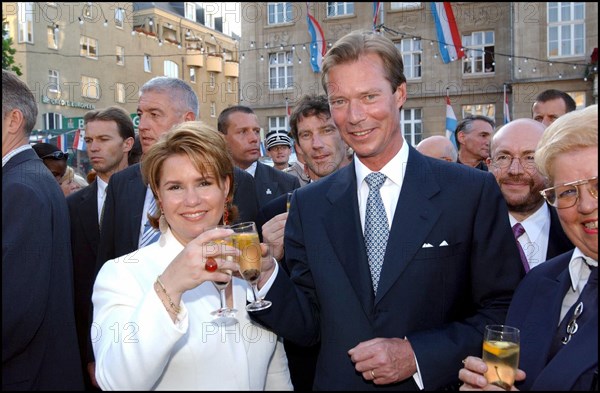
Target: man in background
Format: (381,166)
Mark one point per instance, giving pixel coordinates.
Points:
(279,148)
(439,147)
(473,135)
(109,137)
(550,104)
(512,163)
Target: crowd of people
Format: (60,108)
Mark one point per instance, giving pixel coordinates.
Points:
(383,262)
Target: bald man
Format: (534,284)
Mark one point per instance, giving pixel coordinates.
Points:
(512,152)
(438,146)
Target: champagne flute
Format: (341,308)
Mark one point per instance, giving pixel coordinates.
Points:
(245,238)
(501,354)
(224,311)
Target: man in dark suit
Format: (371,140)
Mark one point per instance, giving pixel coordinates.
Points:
(164,102)
(39,341)
(403,313)
(240,126)
(511,161)
(109,137)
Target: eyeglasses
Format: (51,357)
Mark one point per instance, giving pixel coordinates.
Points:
(57,155)
(504,161)
(566,195)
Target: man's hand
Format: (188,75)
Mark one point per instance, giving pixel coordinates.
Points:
(272,232)
(384,360)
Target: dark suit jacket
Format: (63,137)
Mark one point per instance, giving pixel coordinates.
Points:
(535,310)
(271,182)
(124,206)
(439,297)
(39,341)
(558,242)
(85,236)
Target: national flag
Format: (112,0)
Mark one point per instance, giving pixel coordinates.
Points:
(448,36)
(376,5)
(450,123)
(79,140)
(263,150)
(506,109)
(61,142)
(318,46)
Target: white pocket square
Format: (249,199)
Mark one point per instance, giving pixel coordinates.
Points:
(427,245)
(443,244)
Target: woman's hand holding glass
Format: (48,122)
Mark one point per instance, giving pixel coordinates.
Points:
(472,375)
(189,268)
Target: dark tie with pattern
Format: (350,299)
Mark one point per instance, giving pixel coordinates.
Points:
(578,314)
(376,226)
(518,230)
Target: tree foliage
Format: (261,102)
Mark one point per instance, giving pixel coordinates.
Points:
(8,61)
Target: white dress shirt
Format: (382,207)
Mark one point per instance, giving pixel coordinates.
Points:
(101,195)
(537,233)
(579,272)
(138,347)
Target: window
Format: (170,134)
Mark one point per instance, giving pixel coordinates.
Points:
(193,74)
(25,22)
(579,97)
(190,11)
(335,8)
(90,87)
(5,30)
(120,93)
(171,69)
(479,53)
(52,37)
(120,51)
(88,47)
(211,79)
(566,29)
(119,17)
(411,55)
(147,63)
(488,110)
(53,81)
(278,123)
(213,109)
(279,13)
(52,121)
(411,123)
(229,85)
(281,70)
(405,6)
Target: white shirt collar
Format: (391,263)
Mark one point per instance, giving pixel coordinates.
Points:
(578,269)
(13,153)
(394,170)
(535,223)
(252,168)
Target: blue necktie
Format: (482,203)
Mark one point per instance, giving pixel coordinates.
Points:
(150,234)
(376,226)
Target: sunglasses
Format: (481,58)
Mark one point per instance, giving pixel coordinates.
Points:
(57,155)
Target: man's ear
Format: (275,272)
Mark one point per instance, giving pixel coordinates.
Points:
(15,121)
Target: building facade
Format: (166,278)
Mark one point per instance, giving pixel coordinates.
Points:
(520,48)
(81,56)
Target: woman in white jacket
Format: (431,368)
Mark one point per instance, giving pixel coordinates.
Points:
(153,328)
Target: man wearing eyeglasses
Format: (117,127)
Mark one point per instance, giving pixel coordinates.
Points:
(39,342)
(536,226)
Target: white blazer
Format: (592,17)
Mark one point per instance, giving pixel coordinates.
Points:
(138,347)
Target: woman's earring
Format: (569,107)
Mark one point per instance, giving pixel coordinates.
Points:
(163,225)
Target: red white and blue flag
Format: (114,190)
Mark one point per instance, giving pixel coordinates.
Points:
(79,140)
(376,7)
(450,123)
(449,41)
(61,142)
(318,46)
(506,109)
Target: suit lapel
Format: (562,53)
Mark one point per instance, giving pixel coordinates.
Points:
(414,218)
(346,237)
(137,196)
(88,212)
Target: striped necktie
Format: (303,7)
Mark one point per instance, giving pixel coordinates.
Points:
(150,234)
